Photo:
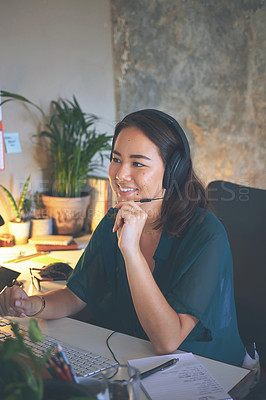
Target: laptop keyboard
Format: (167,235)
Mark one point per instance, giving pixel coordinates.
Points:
(84,363)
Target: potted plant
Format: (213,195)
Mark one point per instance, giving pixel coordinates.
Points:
(19,227)
(20,369)
(26,376)
(72,142)
(41,223)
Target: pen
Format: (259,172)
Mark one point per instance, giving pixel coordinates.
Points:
(57,370)
(28,257)
(161,367)
(65,363)
(4,288)
(50,370)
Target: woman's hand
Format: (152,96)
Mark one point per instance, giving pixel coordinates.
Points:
(129,224)
(15,302)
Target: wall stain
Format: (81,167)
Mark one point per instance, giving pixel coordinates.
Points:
(197,131)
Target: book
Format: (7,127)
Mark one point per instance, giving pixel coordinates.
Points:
(62,240)
(55,247)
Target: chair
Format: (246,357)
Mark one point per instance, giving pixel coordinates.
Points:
(242,210)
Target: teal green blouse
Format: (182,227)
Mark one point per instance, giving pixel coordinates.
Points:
(194,273)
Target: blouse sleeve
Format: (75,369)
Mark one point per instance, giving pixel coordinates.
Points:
(203,283)
(88,280)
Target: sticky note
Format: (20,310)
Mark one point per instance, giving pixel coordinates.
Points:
(12,142)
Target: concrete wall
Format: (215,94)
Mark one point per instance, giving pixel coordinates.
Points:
(203,61)
(51,48)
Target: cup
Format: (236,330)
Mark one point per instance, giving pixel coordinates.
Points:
(95,388)
(88,388)
(123,382)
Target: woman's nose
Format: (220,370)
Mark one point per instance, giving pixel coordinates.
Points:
(123,173)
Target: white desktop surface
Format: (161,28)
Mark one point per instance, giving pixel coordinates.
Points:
(93,338)
(10,253)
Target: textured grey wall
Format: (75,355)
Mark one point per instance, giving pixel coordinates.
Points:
(203,61)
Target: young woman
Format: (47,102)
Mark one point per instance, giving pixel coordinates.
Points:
(158,266)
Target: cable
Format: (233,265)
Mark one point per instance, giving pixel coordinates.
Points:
(111,351)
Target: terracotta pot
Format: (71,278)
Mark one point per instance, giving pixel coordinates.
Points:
(68,213)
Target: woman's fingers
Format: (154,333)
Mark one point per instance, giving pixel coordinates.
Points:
(8,300)
(128,212)
(5,304)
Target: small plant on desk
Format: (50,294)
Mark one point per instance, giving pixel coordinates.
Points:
(19,227)
(20,369)
(21,206)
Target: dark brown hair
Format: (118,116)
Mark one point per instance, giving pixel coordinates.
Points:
(180,201)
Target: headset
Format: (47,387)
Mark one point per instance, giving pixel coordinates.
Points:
(178,165)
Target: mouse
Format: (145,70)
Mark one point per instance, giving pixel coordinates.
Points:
(56,270)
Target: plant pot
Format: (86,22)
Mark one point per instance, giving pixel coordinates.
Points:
(68,213)
(20,231)
(41,226)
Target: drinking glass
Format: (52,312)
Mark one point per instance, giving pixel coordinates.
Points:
(123,382)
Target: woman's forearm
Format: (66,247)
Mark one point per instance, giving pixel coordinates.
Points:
(165,328)
(58,304)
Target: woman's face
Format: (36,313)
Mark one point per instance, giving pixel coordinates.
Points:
(136,170)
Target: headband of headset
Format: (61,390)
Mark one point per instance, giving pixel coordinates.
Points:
(179,163)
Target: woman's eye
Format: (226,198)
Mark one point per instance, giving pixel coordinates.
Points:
(115,159)
(137,164)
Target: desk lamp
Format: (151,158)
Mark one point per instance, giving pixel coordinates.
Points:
(1,221)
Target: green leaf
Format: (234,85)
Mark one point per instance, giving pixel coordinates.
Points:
(10,348)
(17,208)
(13,96)
(22,198)
(34,332)
(11,201)
(14,381)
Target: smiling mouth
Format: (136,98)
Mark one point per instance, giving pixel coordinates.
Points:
(125,190)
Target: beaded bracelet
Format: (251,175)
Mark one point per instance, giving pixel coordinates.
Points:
(41,310)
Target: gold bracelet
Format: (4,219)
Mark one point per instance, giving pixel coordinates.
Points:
(41,310)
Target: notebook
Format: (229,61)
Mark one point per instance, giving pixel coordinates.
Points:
(62,240)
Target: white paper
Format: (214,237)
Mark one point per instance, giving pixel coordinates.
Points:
(12,143)
(188,379)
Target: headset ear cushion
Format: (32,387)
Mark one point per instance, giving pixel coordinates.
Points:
(166,179)
(171,168)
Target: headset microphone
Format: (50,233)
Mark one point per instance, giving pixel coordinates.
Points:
(148,200)
(113,211)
